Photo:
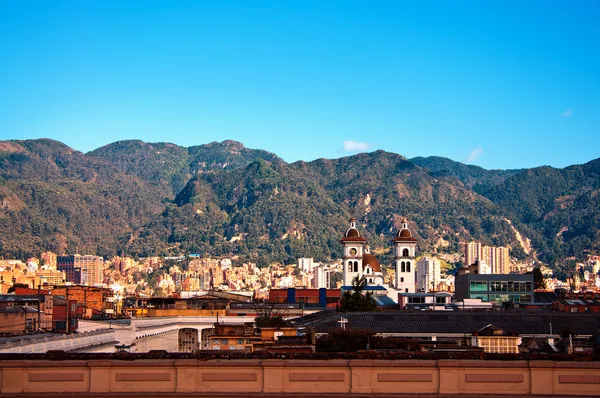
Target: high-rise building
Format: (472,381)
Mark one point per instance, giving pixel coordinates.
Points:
(472,252)
(306,264)
(87,270)
(92,269)
(321,277)
(428,274)
(66,264)
(498,258)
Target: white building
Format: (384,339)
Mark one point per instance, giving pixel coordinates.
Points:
(306,264)
(321,278)
(428,274)
(483,268)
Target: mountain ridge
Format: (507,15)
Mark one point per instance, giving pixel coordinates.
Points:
(223,198)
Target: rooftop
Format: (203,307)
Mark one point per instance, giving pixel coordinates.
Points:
(461,322)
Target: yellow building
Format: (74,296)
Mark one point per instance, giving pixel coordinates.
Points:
(495,340)
(92,269)
(49,277)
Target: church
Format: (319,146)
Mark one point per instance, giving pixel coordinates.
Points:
(359,262)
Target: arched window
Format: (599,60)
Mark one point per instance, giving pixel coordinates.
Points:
(405,253)
(402,267)
(371,280)
(408,266)
(356,266)
(368,270)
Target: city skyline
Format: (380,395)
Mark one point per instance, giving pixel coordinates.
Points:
(499,85)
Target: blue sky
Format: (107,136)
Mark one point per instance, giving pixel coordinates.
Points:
(500,84)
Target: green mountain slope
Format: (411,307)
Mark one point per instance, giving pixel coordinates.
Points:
(169,166)
(557,208)
(224,199)
(474,177)
(276,211)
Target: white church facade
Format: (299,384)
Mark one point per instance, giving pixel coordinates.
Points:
(359,262)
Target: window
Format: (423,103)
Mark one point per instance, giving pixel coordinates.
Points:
(402,279)
(416,300)
(478,286)
(501,345)
(403,267)
(356,266)
(224,341)
(406,290)
(240,341)
(408,266)
(405,253)
(440,300)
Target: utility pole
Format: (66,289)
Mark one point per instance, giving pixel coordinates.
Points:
(38,305)
(68,308)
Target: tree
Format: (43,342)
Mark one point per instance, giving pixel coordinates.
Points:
(538,279)
(269,316)
(340,340)
(356,300)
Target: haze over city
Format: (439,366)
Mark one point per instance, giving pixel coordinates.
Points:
(497,84)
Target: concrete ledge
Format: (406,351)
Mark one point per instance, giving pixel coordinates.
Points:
(297,378)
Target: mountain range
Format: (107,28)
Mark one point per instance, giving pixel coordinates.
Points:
(143,199)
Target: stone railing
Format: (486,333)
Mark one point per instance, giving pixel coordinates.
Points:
(306,377)
(65,342)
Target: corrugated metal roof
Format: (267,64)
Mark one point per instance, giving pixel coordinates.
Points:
(457,322)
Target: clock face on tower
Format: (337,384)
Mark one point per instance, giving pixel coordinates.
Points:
(353,252)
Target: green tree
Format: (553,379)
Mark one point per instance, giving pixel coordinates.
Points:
(538,279)
(357,300)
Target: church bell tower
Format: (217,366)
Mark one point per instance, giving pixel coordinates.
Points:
(353,245)
(405,246)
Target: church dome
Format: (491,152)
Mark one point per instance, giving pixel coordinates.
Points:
(369,259)
(404,234)
(352,234)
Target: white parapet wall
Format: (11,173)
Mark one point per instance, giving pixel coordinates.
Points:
(40,343)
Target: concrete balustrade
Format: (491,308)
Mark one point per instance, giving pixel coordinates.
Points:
(279,376)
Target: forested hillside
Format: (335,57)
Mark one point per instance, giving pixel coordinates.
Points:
(222,199)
